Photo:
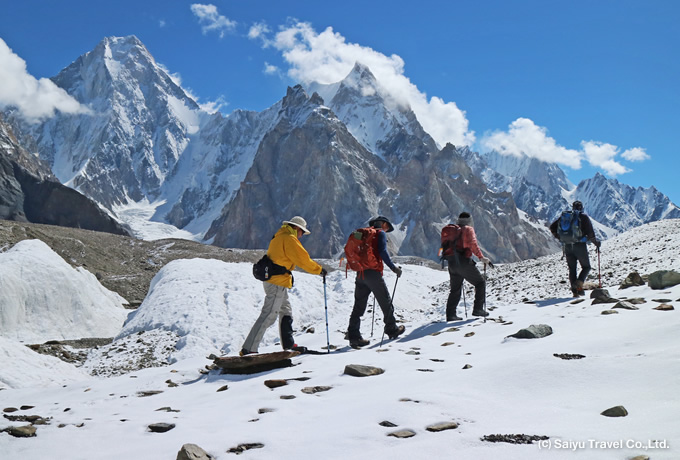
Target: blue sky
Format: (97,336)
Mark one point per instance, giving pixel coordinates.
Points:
(591,85)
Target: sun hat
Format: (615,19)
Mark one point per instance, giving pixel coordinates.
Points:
(299,222)
(373,221)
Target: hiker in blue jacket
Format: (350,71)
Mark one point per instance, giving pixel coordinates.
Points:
(577,252)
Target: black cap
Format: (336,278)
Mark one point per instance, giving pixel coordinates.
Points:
(375,220)
(577,205)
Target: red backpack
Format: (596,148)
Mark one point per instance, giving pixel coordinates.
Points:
(361,250)
(452,240)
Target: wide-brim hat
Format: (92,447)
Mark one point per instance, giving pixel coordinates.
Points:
(373,221)
(299,222)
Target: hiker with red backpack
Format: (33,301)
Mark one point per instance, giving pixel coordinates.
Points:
(459,244)
(574,229)
(366,251)
(285,252)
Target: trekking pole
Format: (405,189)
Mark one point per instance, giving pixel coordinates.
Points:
(462,287)
(484,293)
(599,273)
(325,304)
(391,308)
(373,320)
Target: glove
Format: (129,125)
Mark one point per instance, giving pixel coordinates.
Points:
(324,272)
(597,243)
(397,270)
(486,262)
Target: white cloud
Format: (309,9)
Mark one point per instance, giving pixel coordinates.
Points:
(211,20)
(35,98)
(602,155)
(260,30)
(327,57)
(525,138)
(270,69)
(635,154)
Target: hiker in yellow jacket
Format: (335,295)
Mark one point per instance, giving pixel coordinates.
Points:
(285,250)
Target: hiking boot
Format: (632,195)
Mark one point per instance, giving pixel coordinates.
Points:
(396,332)
(455,317)
(299,348)
(481,313)
(358,343)
(244,352)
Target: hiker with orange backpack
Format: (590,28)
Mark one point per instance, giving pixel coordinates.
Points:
(459,244)
(366,251)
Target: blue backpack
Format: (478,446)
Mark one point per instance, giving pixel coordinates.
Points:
(569,227)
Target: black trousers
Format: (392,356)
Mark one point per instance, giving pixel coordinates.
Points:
(367,282)
(465,270)
(577,253)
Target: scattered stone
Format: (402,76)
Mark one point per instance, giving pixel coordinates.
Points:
(640,457)
(633,279)
(167,409)
(275,383)
(663,278)
(171,384)
(568,356)
(143,394)
(625,305)
(437,427)
(31,407)
(223,388)
(577,301)
(161,427)
(265,410)
(662,300)
(425,370)
(437,360)
(287,397)
(359,370)
(34,419)
(10,409)
(27,431)
(317,389)
(467,366)
(513,438)
(601,295)
(403,434)
(413,352)
(452,329)
(664,307)
(469,334)
(535,331)
(446,344)
(637,301)
(616,411)
(609,312)
(409,400)
(193,452)
(387,424)
(244,447)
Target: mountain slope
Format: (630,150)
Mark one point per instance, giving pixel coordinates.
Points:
(30,193)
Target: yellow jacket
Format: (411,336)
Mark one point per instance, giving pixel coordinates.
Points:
(285,249)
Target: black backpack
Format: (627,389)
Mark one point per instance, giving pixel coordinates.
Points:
(265,268)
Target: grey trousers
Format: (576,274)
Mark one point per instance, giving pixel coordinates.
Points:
(276,304)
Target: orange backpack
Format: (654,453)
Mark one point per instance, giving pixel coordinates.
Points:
(361,250)
(452,240)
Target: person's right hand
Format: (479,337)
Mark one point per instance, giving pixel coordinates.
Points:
(397,270)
